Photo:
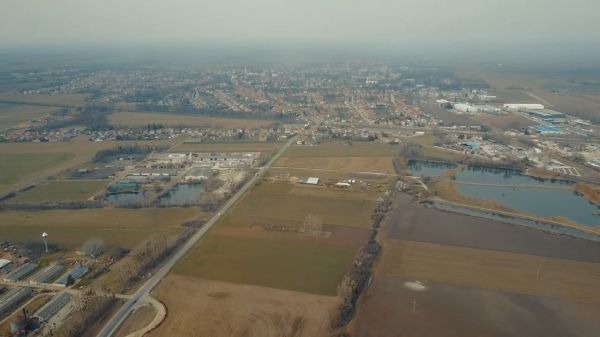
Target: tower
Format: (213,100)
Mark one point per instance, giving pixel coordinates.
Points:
(45,236)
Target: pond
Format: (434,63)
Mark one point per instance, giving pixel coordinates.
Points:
(126,199)
(182,195)
(428,168)
(496,176)
(538,201)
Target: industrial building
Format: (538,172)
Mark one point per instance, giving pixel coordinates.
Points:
(545,114)
(523,106)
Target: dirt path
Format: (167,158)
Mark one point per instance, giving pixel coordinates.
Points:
(159,317)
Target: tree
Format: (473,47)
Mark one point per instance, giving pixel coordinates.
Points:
(212,184)
(70,280)
(209,202)
(93,247)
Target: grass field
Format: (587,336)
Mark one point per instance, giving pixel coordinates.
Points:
(71,228)
(62,191)
(131,118)
(15,114)
(306,267)
(55,100)
(15,166)
(277,204)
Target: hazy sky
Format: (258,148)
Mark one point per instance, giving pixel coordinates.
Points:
(384,22)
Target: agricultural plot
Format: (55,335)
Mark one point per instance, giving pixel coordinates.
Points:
(227,147)
(16,166)
(14,114)
(478,277)
(137,119)
(71,228)
(382,165)
(306,267)
(60,191)
(227,309)
(54,100)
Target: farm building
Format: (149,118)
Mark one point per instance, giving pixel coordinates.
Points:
(21,272)
(75,273)
(46,274)
(13,298)
(312,181)
(5,264)
(52,307)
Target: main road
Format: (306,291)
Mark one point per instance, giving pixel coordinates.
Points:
(111,326)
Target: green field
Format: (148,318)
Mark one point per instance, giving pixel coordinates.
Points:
(62,191)
(71,228)
(307,267)
(15,166)
(14,114)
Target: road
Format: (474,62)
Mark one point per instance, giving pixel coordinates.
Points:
(112,325)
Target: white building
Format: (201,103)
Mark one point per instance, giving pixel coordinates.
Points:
(523,106)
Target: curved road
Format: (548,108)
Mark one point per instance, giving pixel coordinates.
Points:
(112,325)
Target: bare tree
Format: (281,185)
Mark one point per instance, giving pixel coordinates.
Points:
(212,184)
(312,225)
(209,202)
(93,247)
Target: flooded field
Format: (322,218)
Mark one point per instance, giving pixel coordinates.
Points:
(478,277)
(182,195)
(460,311)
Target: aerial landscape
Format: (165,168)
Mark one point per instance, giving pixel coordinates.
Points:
(307,169)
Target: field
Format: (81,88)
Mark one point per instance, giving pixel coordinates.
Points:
(15,114)
(227,147)
(505,121)
(220,309)
(16,166)
(478,277)
(31,163)
(134,119)
(62,191)
(300,266)
(57,100)
(257,273)
(71,228)
(344,164)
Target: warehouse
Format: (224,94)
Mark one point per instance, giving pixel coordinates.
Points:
(5,264)
(75,273)
(523,106)
(546,114)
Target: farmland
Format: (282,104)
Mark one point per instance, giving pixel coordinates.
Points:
(223,309)
(16,166)
(62,191)
(136,119)
(55,100)
(70,228)
(307,267)
(15,114)
(477,277)
(227,147)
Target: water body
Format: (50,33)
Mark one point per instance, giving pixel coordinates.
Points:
(182,195)
(428,168)
(126,199)
(536,201)
(487,175)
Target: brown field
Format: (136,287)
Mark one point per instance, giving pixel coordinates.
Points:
(227,147)
(131,118)
(504,121)
(137,320)
(339,149)
(518,273)
(57,100)
(580,105)
(344,164)
(15,114)
(71,228)
(220,309)
(482,278)
(327,175)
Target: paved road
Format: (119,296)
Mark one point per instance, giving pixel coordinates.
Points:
(112,325)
